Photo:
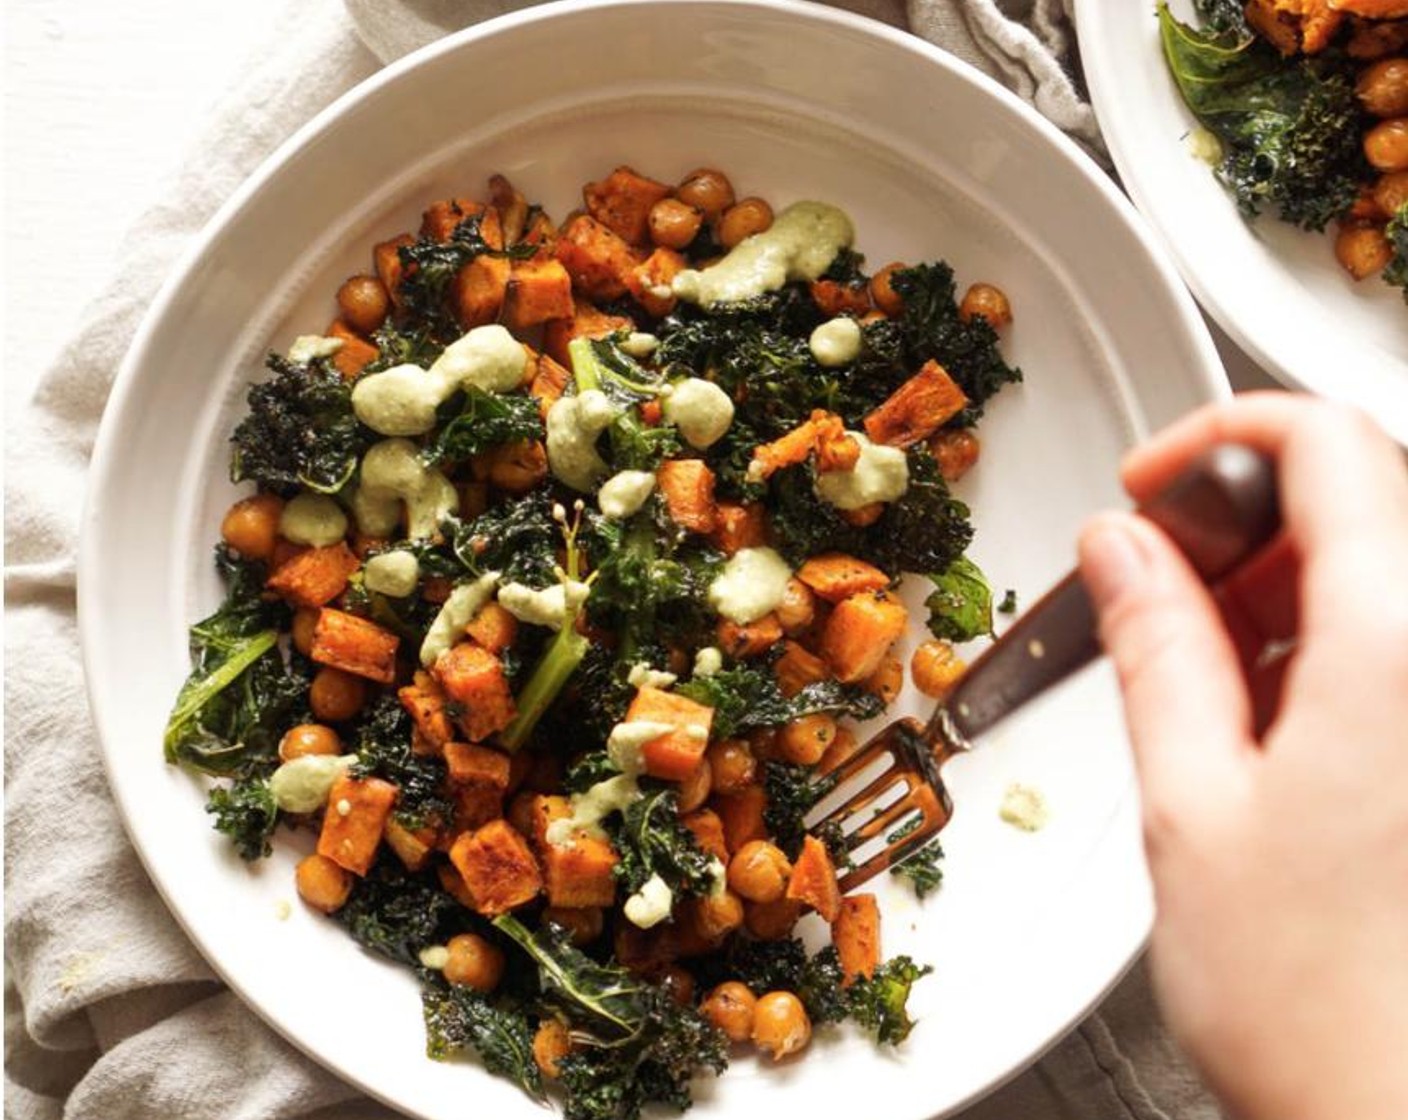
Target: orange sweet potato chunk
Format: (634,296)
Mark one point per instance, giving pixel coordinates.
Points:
(355,354)
(859,633)
(917,408)
(471,764)
(537,291)
(855,931)
(350,838)
(354,645)
(424,700)
(813,880)
(497,867)
(314,576)
(687,485)
(580,873)
(479,290)
(474,679)
(622,202)
(588,321)
(675,755)
(597,259)
(739,526)
(835,576)
(493,628)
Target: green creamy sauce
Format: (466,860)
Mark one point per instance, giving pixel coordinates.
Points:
(700,410)
(752,583)
(624,493)
(392,573)
(392,476)
(455,614)
(835,342)
(549,606)
(313,519)
(401,401)
(301,785)
(800,244)
(881,474)
(573,425)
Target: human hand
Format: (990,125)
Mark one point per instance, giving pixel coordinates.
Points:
(1275,790)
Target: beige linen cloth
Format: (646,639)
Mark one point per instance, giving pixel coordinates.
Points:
(110,1013)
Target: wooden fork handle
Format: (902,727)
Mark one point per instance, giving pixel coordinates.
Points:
(1220,511)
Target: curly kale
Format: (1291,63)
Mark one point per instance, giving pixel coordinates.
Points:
(300,431)
(458,1017)
(932,329)
(925,530)
(879,1002)
(1290,128)
(397,913)
(792,790)
(245,812)
(1224,17)
(482,421)
(384,751)
(400,344)
(429,267)
(747,697)
(518,539)
(920,869)
(240,698)
(1396,273)
(960,606)
(636,1043)
(635,445)
(652,841)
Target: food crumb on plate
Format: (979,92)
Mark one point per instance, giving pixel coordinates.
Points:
(283,909)
(1024,807)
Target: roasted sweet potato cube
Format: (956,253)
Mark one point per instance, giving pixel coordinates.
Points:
(751,639)
(675,755)
(355,353)
(860,632)
(314,576)
(739,526)
(493,628)
(917,408)
(453,883)
(424,700)
(588,321)
(547,379)
(597,259)
(687,485)
(441,218)
(389,269)
(806,438)
(708,829)
(472,765)
(855,932)
(650,281)
(580,872)
(835,576)
(622,203)
(497,867)
(478,291)
(742,815)
(354,821)
(474,679)
(813,880)
(476,806)
(544,808)
(833,298)
(413,847)
(538,290)
(511,205)
(797,668)
(354,645)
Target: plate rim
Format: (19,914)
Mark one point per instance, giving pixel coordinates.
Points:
(127,380)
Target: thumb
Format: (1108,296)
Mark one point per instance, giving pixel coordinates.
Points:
(1185,700)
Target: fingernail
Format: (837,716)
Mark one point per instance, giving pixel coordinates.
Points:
(1111,561)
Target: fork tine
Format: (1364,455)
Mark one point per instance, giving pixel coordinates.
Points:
(884,820)
(890,855)
(867,794)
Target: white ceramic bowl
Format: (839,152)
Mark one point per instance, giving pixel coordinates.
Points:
(1276,290)
(793,101)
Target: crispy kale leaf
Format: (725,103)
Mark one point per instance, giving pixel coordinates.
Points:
(397,913)
(1397,232)
(925,530)
(921,869)
(429,267)
(747,697)
(458,1017)
(300,431)
(1224,17)
(384,751)
(879,1002)
(245,812)
(652,841)
(1289,128)
(239,698)
(930,327)
(483,420)
(517,538)
(636,1043)
(792,790)
(960,606)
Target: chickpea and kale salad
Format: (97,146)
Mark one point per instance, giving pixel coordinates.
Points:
(1304,104)
(574,553)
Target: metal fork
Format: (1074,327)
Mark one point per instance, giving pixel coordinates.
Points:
(1220,511)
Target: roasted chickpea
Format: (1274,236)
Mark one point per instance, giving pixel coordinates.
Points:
(474,962)
(863,516)
(743,219)
(883,295)
(842,747)
(363,302)
(520,466)
(936,668)
(674,224)
(309,738)
(730,1007)
(1386,145)
(771,921)
(732,765)
(678,981)
(251,526)
(551,1044)
(715,916)
(956,452)
(988,302)
(1362,250)
(582,923)
(887,680)
(759,871)
(694,790)
(805,740)
(321,883)
(1390,193)
(305,620)
(1383,87)
(707,190)
(336,695)
(797,609)
(780,1024)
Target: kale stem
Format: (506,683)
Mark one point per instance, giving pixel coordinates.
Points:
(586,367)
(550,676)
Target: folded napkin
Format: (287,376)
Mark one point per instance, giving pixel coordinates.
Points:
(110,1013)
